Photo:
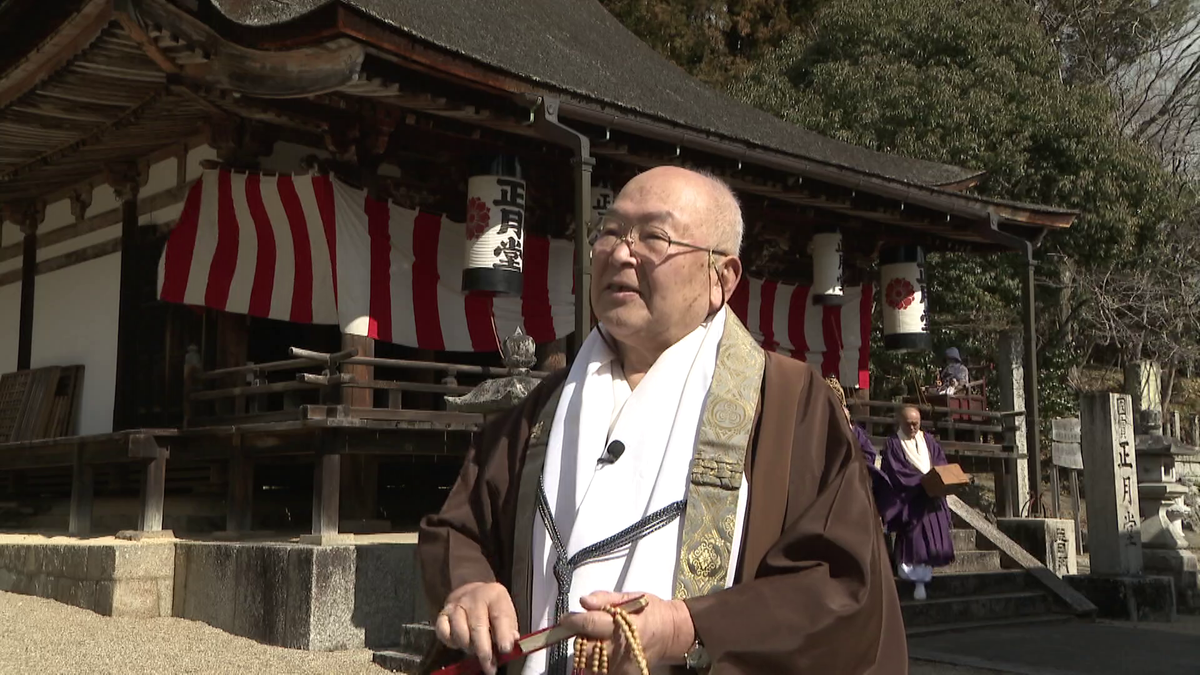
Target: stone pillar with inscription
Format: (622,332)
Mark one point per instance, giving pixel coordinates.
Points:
(1110,478)
(1160,493)
(1011,366)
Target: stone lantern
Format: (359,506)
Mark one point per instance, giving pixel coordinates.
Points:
(498,395)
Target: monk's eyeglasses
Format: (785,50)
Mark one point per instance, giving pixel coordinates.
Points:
(649,244)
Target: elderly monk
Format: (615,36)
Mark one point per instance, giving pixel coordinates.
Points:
(676,460)
(921,522)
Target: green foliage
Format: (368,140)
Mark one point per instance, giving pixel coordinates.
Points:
(973,84)
(714,41)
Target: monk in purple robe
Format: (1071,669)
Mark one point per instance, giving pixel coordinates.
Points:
(921,522)
(677,461)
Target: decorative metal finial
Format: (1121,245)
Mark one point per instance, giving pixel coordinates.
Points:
(520,352)
(502,393)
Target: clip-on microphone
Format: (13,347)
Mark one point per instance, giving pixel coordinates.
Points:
(612,453)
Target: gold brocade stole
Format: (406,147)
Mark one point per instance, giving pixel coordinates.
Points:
(718,463)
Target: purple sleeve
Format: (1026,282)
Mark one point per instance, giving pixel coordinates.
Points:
(864,442)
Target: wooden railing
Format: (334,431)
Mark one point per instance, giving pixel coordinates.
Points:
(214,400)
(980,433)
(983,441)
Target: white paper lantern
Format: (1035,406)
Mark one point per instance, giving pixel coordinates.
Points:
(495,234)
(905,311)
(602,199)
(827,268)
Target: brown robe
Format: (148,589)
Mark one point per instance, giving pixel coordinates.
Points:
(813,591)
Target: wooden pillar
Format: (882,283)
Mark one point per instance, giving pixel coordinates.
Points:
(125,182)
(327,469)
(154,480)
(581,167)
(28,277)
(82,493)
(239,510)
(360,473)
(1032,418)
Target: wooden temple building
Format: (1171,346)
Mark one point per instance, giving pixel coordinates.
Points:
(233,238)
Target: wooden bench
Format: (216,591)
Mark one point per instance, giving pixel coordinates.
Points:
(139,446)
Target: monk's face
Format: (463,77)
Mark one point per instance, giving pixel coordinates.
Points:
(657,290)
(910,422)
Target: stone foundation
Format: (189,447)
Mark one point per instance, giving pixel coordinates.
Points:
(1141,598)
(1050,540)
(122,579)
(1181,566)
(320,598)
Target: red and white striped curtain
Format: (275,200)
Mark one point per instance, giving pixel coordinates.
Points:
(310,249)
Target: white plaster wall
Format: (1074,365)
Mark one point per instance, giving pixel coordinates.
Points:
(10,314)
(75,323)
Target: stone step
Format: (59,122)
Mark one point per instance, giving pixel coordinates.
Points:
(415,638)
(958,626)
(991,607)
(967,585)
(970,562)
(397,662)
(964,539)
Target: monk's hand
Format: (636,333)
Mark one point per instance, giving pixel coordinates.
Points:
(664,627)
(477,616)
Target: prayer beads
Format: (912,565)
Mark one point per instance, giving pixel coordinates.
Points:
(597,653)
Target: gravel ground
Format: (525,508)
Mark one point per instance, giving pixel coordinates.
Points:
(47,637)
(44,636)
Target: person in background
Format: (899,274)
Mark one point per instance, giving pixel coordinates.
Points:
(921,522)
(954,376)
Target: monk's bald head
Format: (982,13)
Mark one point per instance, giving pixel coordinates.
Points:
(665,257)
(703,203)
(908,421)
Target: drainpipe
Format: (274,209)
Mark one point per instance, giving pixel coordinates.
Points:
(1029,313)
(546,123)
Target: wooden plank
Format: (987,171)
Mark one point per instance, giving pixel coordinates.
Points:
(488,371)
(58,262)
(254,390)
(239,420)
(933,424)
(39,399)
(12,399)
(290,364)
(965,449)
(101,221)
(1067,455)
(435,417)
(392,385)
(82,496)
